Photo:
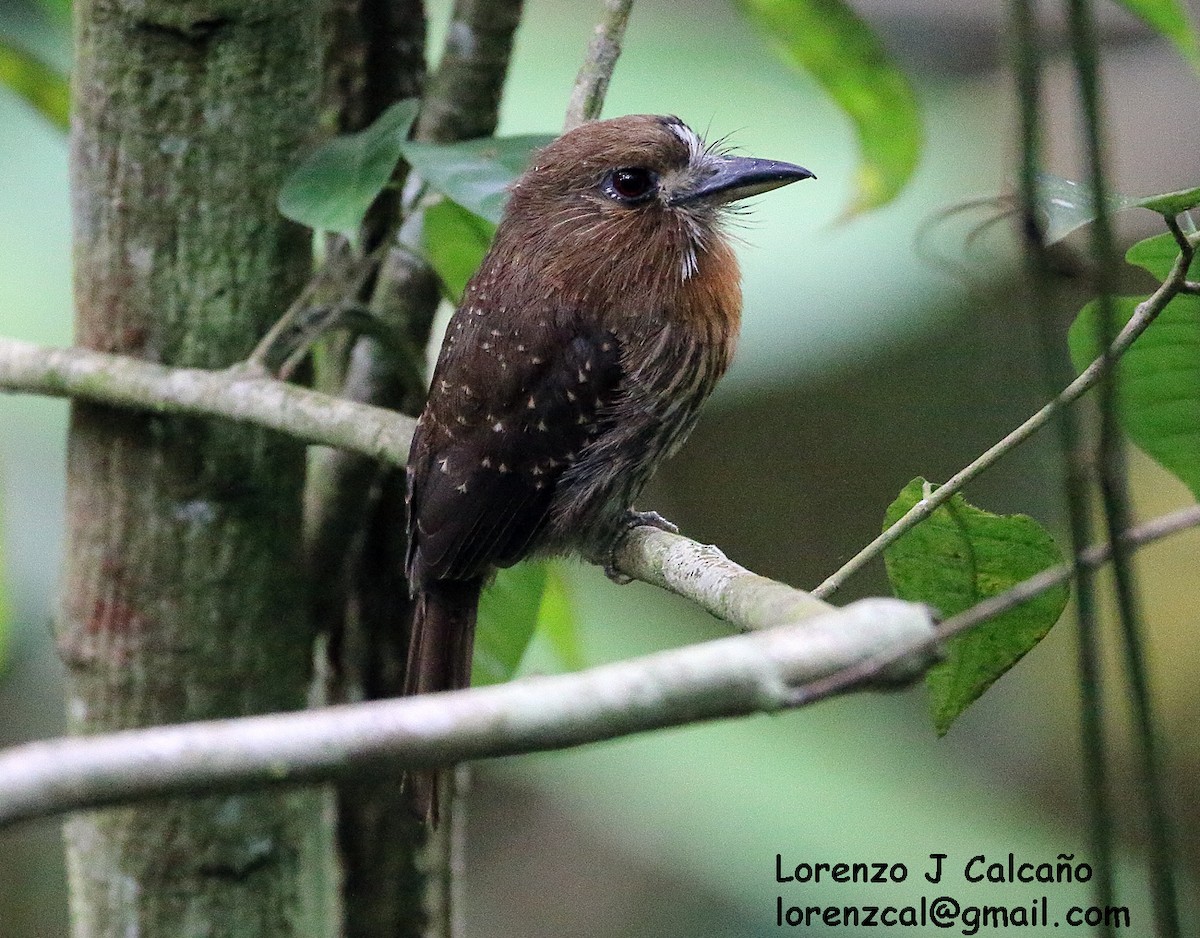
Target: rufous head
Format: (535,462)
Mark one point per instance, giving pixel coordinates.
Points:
(643,192)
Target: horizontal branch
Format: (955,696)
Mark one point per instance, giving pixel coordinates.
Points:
(727,677)
(239,393)
(699,573)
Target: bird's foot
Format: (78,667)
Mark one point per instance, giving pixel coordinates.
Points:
(653,519)
(634,519)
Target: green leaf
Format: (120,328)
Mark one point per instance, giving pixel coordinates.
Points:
(334,187)
(1169,19)
(1156,255)
(1158,378)
(827,39)
(508,615)
(40,85)
(454,241)
(475,174)
(958,557)
(1172,203)
(557,622)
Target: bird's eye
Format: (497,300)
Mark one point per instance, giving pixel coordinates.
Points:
(632,183)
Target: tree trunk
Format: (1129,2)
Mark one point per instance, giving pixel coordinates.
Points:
(183,596)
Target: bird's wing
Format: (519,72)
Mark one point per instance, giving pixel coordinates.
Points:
(508,413)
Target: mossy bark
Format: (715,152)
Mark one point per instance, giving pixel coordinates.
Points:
(184,596)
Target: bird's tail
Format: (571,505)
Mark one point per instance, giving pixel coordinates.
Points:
(439,658)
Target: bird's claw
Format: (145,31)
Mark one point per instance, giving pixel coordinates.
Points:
(651,519)
(635,519)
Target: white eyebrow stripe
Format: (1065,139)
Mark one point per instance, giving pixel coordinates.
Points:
(689,138)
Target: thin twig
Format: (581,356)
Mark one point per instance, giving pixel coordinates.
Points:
(1143,316)
(591,84)
(731,676)
(330,287)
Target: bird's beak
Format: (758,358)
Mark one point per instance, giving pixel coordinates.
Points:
(729,178)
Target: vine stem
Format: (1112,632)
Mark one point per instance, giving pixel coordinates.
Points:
(1113,473)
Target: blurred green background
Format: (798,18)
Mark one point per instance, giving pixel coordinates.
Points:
(871,353)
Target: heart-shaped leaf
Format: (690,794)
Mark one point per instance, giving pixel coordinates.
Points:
(1158,378)
(956,558)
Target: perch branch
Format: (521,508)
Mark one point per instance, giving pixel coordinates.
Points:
(675,563)
(874,642)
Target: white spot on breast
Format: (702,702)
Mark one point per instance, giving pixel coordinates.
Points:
(531,403)
(444,464)
(461,488)
(498,426)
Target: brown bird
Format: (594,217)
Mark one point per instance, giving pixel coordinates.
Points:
(600,320)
